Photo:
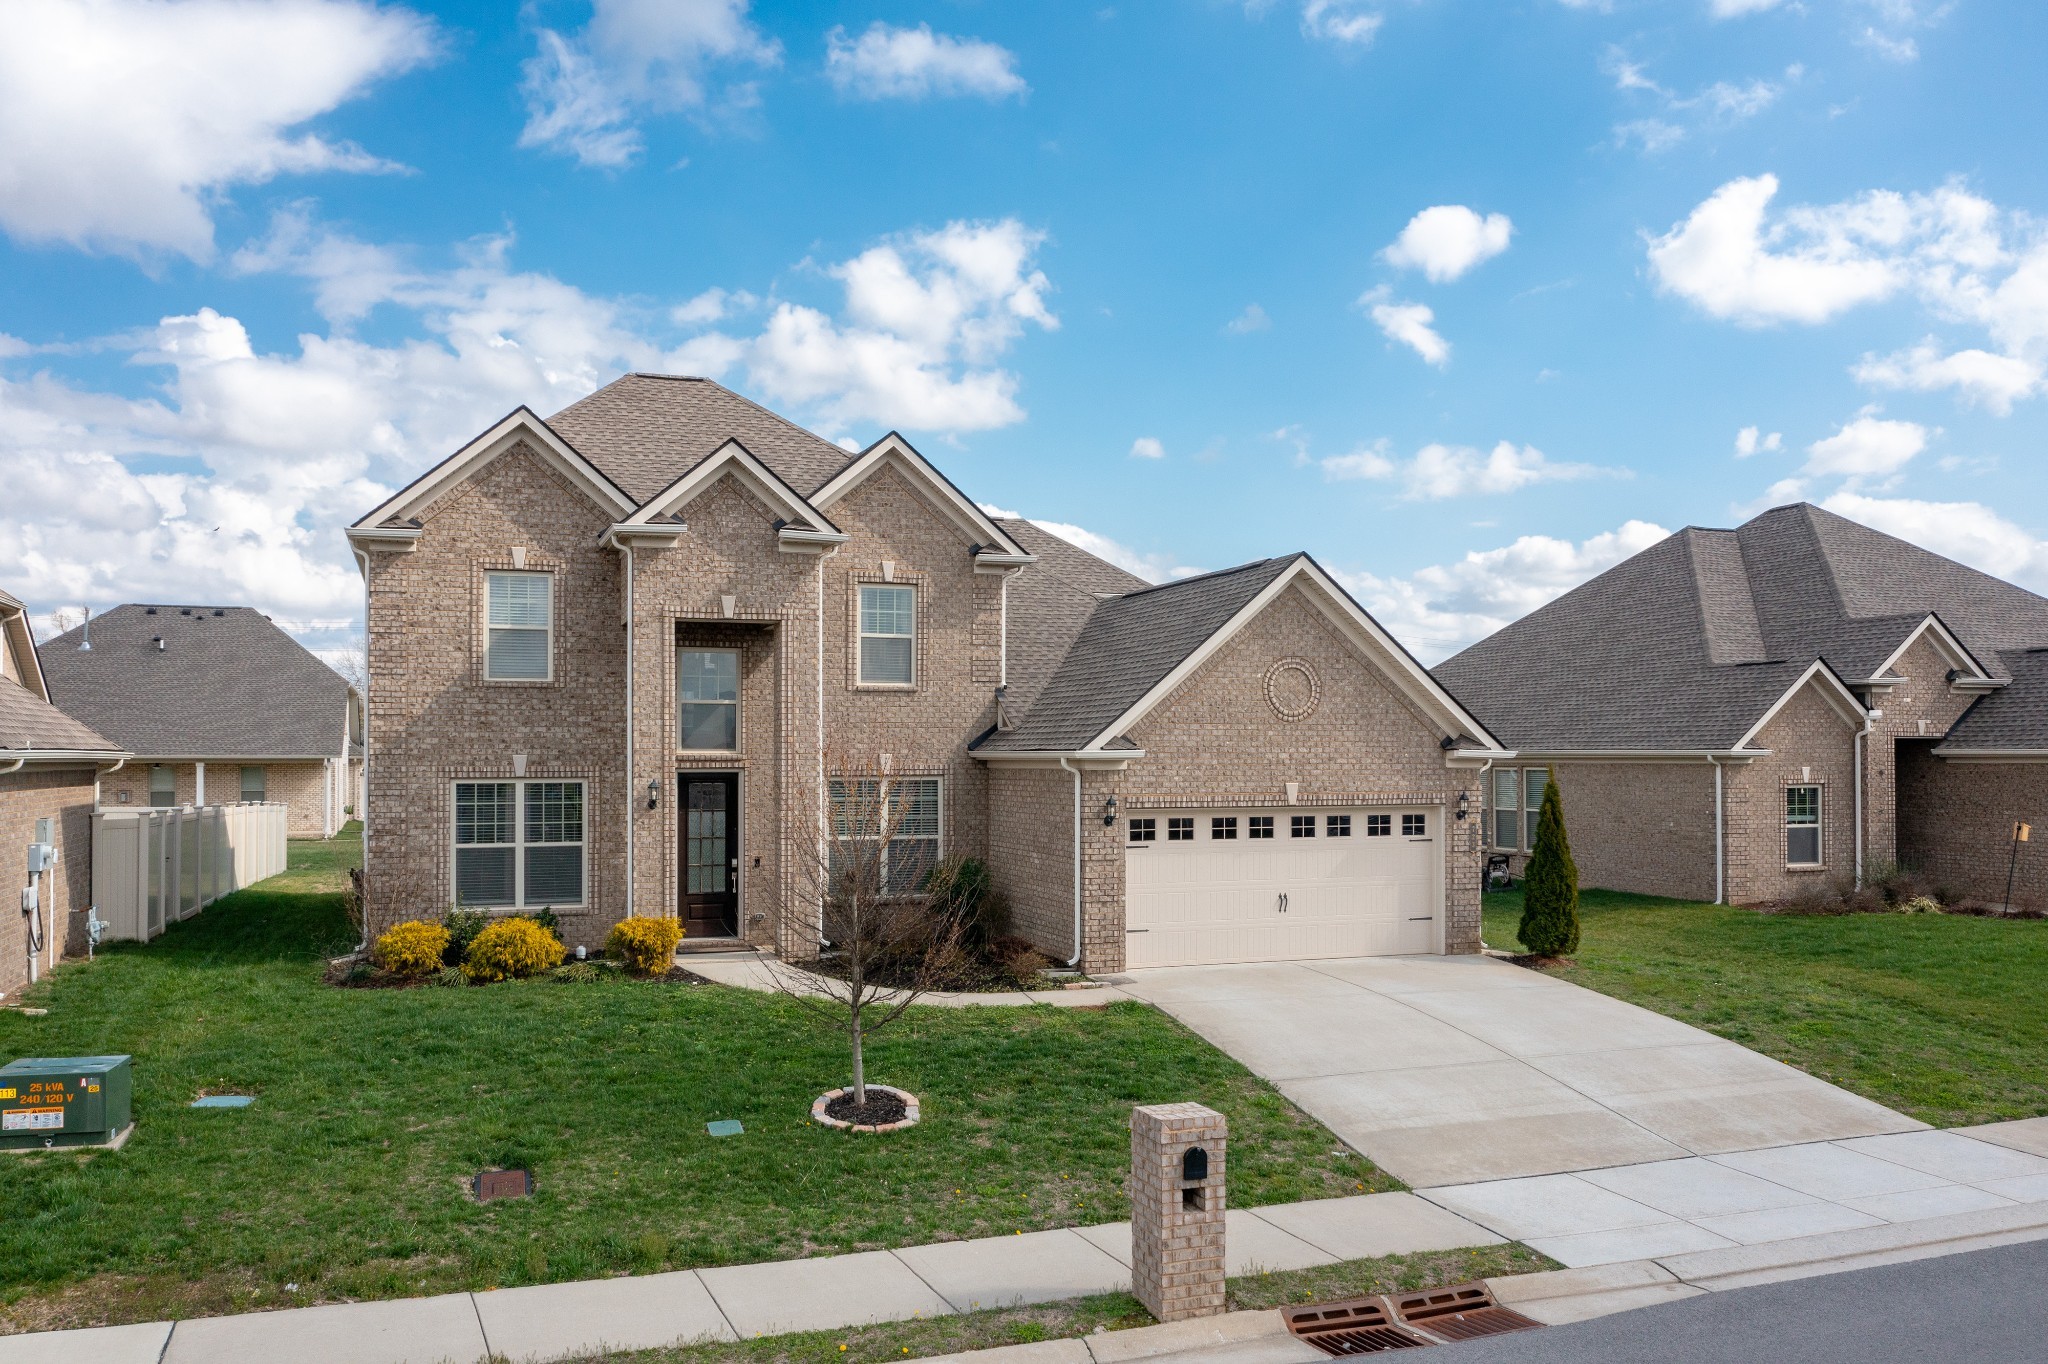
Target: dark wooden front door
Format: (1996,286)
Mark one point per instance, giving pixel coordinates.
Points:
(711,854)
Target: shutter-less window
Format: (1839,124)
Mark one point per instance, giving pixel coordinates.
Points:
(521,620)
(1535,781)
(1802,826)
(888,634)
(1507,808)
(163,786)
(252,783)
(554,843)
(708,698)
(484,836)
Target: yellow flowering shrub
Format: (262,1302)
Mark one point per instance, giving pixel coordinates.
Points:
(510,949)
(411,949)
(646,946)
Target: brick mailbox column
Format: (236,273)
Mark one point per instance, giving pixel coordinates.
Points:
(1177,1209)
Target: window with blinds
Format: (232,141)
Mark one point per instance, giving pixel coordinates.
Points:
(888,635)
(520,627)
(519,844)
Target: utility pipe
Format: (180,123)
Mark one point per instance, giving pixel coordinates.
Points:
(1075,960)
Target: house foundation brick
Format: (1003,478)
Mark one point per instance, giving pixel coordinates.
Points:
(1177,1222)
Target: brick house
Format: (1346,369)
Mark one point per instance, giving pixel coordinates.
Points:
(1731,714)
(616,656)
(50,766)
(218,705)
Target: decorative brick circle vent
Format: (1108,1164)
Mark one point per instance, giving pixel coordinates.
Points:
(882,1101)
(1293,689)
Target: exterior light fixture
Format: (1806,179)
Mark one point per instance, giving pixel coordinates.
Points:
(1464,803)
(1109,812)
(653,793)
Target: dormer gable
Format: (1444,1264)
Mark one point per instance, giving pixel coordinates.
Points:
(994,549)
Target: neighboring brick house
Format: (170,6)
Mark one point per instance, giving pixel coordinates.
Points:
(50,767)
(218,705)
(616,657)
(1731,714)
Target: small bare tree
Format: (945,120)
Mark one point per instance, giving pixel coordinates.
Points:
(60,621)
(863,938)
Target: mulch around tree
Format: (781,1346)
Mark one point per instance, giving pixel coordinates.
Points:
(882,1107)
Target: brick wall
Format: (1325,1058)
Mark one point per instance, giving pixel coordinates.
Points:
(1643,827)
(1956,824)
(1923,707)
(1810,743)
(1031,852)
(1177,1242)
(302,786)
(65,795)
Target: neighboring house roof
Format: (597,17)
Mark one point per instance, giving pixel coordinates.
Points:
(647,430)
(28,722)
(227,683)
(1684,645)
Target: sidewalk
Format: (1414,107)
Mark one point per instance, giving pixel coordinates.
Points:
(553,1321)
(748,970)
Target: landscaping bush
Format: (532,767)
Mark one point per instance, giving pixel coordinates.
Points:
(463,925)
(511,949)
(647,946)
(1921,904)
(1550,885)
(962,889)
(411,950)
(1900,885)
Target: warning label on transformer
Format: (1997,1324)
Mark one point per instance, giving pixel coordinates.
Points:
(32,1120)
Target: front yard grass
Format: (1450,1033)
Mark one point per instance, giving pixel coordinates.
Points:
(1942,1017)
(345,1179)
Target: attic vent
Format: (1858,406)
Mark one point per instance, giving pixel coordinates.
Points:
(218,612)
(184,610)
(149,610)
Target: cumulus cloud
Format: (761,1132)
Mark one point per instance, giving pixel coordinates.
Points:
(122,121)
(1748,441)
(1409,324)
(1447,240)
(1340,21)
(1967,532)
(1440,609)
(1867,447)
(1252,319)
(1147,447)
(586,92)
(1443,471)
(1153,568)
(1979,378)
(914,63)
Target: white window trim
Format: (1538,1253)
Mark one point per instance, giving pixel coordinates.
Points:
(1819,826)
(549,650)
(519,845)
(861,636)
(738,734)
(1525,837)
(939,837)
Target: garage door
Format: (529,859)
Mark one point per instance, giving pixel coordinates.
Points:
(1281,885)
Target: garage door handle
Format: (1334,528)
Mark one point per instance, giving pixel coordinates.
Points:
(1282,903)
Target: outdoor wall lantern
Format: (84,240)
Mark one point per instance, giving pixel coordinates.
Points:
(1464,803)
(1109,812)
(654,793)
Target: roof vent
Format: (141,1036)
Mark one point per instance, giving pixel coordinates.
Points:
(149,610)
(157,640)
(85,643)
(184,610)
(218,612)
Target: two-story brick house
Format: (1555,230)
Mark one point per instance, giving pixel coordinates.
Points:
(617,655)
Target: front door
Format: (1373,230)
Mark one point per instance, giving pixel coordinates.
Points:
(711,854)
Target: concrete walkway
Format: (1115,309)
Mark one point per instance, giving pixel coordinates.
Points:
(553,1321)
(1453,1070)
(748,970)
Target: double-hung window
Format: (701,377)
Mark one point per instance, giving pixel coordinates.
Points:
(519,844)
(1517,801)
(888,635)
(520,627)
(252,783)
(708,698)
(1802,826)
(902,815)
(163,785)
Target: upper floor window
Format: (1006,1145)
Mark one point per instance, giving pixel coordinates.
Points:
(708,698)
(521,627)
(1802,826)
(888,634)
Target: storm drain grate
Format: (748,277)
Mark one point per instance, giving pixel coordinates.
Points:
(1437,1316)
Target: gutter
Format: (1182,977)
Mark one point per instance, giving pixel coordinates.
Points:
(1075,960)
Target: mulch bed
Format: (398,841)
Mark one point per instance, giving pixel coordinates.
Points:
(360,975)
(881,1107)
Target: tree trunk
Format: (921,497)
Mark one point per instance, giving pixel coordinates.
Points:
(860,1075)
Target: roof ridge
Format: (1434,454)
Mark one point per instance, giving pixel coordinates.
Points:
(1212,573)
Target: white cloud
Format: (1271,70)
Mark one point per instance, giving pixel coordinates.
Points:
(1748,442)
(1153,568)
(1443,471)
(1719,105)
(1979,377)
(1967,532)
(1653,135)
(1147,447)
(585,92)
(1892,49)
(1733,9)
(1440,609)
(1340,21)
(1252,319)
(122,122)
(713,305)
(1447,240)
(1408,323)
(1866,447)
(913,63)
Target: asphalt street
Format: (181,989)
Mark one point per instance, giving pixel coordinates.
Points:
(1984,1307)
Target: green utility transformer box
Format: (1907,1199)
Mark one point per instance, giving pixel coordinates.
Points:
(65,1101)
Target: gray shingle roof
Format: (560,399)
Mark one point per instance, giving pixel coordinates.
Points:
(227,684)
(1049,602)
(2016,717)
(1686,644)
(27,721)
(644,431)
(1128,644)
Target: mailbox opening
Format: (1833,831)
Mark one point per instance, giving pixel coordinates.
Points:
(1194,1165)
(1191,1198)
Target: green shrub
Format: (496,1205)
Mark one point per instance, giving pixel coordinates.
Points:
(463,925)
(961,889)
(1550,884)
(511,949)
(647,946)
(547,919)
(412,949)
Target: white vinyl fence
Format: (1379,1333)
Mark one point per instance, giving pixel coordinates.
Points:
(153,867)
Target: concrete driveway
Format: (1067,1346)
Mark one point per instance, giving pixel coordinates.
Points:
(1455,1070)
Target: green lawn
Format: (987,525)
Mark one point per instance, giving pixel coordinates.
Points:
(1942,1017)
(345,1178)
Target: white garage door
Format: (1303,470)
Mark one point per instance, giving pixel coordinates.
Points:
(1281,884)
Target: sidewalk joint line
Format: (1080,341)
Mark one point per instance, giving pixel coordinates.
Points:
(164,1351)
(722,1314)
(477,1308)
(957,1309)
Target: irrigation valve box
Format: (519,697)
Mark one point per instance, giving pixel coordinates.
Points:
(65,1101)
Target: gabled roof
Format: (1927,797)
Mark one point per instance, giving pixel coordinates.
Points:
(1685,645)
(893,452)
(226,684)
(1047,605)
(402,508)
(735,459)
(28,722)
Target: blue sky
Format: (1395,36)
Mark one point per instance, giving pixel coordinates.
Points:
(1469,300)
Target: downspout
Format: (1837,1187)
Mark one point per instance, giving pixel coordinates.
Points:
(1075,960)
(363,561)
(632,665)
(1869,718)
(1720,894)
